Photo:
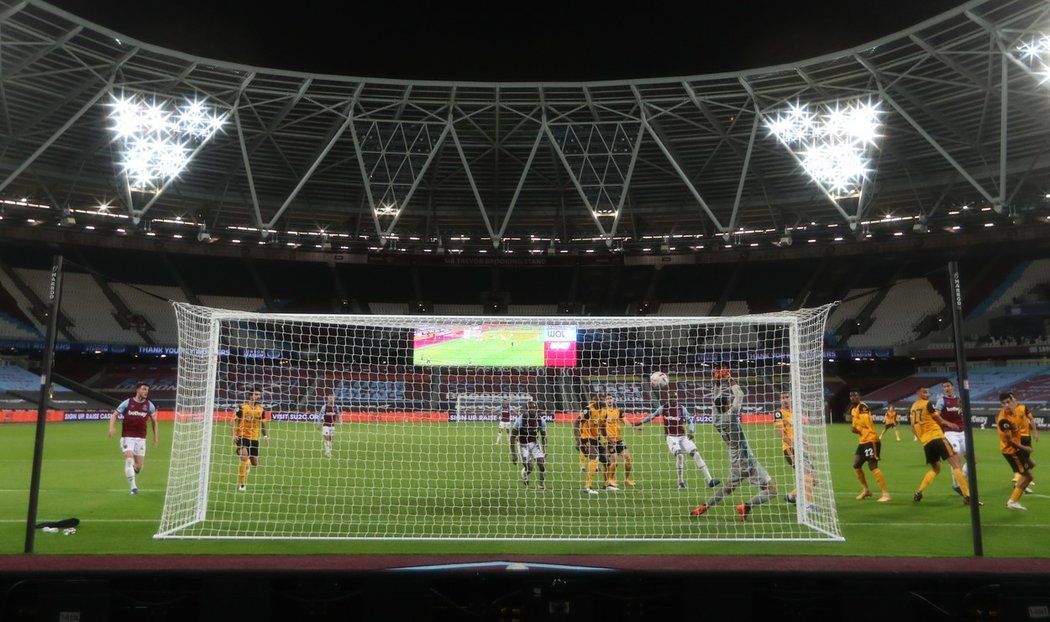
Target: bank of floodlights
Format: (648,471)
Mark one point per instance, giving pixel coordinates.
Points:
(1035,52)
(157,136)
(831,141)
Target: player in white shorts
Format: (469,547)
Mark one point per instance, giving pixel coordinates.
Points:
(327,419)
(528,439)
(135,412)
(678,428)
(506,421)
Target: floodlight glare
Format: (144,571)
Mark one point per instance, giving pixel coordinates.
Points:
(1035,53)
(831,143)
(158,136)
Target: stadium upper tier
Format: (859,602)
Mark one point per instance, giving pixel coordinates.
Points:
(926,127)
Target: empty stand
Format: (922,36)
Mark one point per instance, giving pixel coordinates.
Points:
(896,319)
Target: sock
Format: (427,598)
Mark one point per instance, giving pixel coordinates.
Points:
(961,480)
(129,471)
(897,433)
(610,471)
(592,468)
(927,480)
(542,469)
(880,479)
(860,476)
(328,447)
(700,464)
(680,465)
(760,498)
(583,461)
(242,473)
(1015,496)
(138,470)
(720,494)
(793,493)
(627,462)
(1016,478)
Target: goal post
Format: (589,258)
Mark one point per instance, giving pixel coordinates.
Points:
(383,427)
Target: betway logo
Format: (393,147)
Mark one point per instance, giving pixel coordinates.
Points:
(976,420)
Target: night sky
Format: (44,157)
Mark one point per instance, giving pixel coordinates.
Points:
(507,41)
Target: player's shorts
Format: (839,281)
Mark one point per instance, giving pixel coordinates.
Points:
(137,446)
(326,430)
(615,447)
(530,451)
(1020,462)
(869,451)
(680,445)
(789,455)
(506,425)
(750,470)
(938,449)
(890,425)
(957,441)
(251,445)
(590,447)
(1026,441)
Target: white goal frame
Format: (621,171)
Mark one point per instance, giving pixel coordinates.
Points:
(186,506)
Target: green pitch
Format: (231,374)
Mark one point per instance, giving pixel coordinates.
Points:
(498,347)
(83,476)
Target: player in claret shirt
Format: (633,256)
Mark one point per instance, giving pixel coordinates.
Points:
(950,407)
(506,421)
(327,419)
(528,441)
(136,411)
(678,431)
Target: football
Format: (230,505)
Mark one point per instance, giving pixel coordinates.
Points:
(658,379)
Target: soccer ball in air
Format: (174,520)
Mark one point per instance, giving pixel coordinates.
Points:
(658,379)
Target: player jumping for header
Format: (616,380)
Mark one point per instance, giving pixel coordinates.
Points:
(678,430)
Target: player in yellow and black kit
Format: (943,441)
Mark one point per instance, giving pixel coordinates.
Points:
(927,424)
(1028,432)
(588,429)
(784,422)
(248,421)
(869,447)
(1018,454)
(614,447)
(891,422)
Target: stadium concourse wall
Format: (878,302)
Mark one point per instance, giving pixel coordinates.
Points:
(435,416)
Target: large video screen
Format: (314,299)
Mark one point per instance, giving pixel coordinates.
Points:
(496,345)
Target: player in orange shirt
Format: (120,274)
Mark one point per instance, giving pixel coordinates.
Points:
(868,448)
(891,422)
(1018,455)
(927,424)
(249,420)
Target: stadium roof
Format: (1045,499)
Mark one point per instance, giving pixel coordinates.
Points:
(581,163)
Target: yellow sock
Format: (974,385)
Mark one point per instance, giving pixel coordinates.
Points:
(960,479)
(627,462)
(794,492)
(583,461)
(880,479)
(860,476)
(242,473)
(927,480)
(610,471)
(1016,494)
(592,467)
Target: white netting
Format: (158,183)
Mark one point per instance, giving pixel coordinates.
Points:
(405,464)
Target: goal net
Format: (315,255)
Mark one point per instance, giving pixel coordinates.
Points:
(371,427)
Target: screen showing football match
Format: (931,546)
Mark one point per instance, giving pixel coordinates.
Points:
(496,345)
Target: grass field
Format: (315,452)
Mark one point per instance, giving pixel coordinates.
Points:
(83,476)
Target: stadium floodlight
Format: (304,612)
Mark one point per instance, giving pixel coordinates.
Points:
(831,141)
(417,399)
(1035,53)
(158,137)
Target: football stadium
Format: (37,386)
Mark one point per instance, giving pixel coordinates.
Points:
(742,344)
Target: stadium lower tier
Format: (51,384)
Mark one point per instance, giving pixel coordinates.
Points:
(84,477)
